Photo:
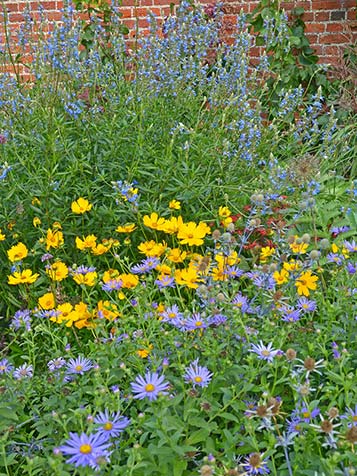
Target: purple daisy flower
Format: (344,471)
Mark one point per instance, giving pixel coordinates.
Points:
(233,272)
(198,375)
(22,318)
(351,268)
(79,365)
(150,386)
(306,305)
(171,313)
(55,364)
(165,281)
(195,322)
(111,425)
(265,352)
(5,366)
(351,416)
(289,314)
(112,285)
(146,265)
(255,464)
(23,371)
(86,450)
(305,414)
(351,247)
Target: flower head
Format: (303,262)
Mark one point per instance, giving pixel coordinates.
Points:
(254,464)
(198,375)
(265,352)
(81,206)
(86,450)
(23,371)
(111,424)
(22,277)
(150,386)
(79,365)
(306,282)
(17,252)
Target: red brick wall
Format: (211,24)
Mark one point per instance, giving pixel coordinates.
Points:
(331,25)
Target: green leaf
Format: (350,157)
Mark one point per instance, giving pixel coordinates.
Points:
(197,436)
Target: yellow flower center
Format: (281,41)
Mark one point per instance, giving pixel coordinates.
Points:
(198,379)
(198,323)
(306,414)
(354,418)
(78,368)
(266,353)
(149,387)
(85,449)
(108,426)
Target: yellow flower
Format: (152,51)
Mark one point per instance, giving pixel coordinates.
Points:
(100,249)
(151,248)
(176,255)
(36,222)
(54,238)
(192,234)
(172,225)
(281,277)
(305,282)
(230,260)
(127,228)
(292,265)
(153,221)
(57,271)
(47,301)
(65,314)
(22,277)
(17,252)
(88,242)
(175,205)
(82,316)
(218,274)
(129,281)
(187,277)
(298,248)
(163,269)
(109,275)
(224,212)
(144,353)
(81,206)
(35,201)
(2,236)
(88,279)
(107,310)
(265,253)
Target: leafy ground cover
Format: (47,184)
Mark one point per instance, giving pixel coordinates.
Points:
(178,261)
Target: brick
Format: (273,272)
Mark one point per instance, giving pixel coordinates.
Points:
(337,15)
(322,16)
(315,27)
(308,16)
(335,27)
(333,38)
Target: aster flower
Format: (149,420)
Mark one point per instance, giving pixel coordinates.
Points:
(79,365)
(22,318)
(305,414)
(265,352)
(23,371)
(351,247)
(111,424)
(86,450)
(149,387)
(351,268)
(55,364)
(289,314)
(198,375)
(351,416)
(254,464)
(146,265)
(306,305)
(170,313)
(5,367)
(112,285)
(165,281)
(195,322)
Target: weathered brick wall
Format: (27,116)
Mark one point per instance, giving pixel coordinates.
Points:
(331,25)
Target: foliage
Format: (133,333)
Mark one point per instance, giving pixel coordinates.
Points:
(178,272)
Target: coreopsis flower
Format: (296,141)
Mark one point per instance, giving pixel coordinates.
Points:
(54,239)
(107,310)
(151,248)
(153,221)
(265,253)
(111,424)
(22,277)
(281,277)
(292,265)
(88,242)
(81,206)
(128,280)
(187,277)
(64,314)
(86,450)
(85,275)
(149,386)
(127,228)
(192,234)
(306,282)
(176,255)
(174,205)
(57,271)
(298,247)
(172,225)
(198,375)
(17,252)
(2,236)
(47,301)
(100,249)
